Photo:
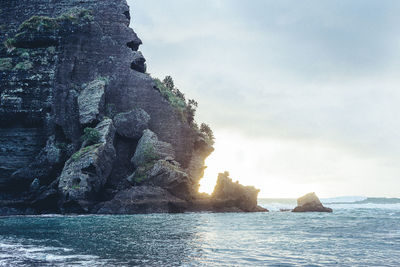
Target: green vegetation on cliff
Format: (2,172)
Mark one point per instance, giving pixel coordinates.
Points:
(187,108)
(90,136)
(171,95)
(47,25)
(206,130)
(39,23)
(43,23)
(5,64)
(76,156)
(24,65)
(177,99)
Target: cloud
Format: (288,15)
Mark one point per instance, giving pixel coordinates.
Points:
(322,72)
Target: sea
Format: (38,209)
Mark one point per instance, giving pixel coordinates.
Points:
(360,232)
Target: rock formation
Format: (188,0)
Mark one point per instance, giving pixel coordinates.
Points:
(310,203)
(229,196)
(84,129)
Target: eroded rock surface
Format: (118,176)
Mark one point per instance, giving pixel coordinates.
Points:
(86,172)
(91,101)
(310,203)
(143,199)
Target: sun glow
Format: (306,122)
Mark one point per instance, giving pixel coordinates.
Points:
(287,168)
(254,162)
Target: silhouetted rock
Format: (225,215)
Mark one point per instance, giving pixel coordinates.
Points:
(310,203)
(195,169)
(229,194)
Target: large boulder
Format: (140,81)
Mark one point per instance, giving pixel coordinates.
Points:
(310,203)
(150,149)
(168,175)
(229,194)
(132,124)
(91,101)
(142,199)
(86,172)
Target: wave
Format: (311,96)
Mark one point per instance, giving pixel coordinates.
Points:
(14,253)
(379,200)
(345,199)
(361,200)
(368,203)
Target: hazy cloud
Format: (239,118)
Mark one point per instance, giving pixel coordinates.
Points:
(320,72)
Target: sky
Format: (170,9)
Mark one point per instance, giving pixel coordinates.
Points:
(302,96)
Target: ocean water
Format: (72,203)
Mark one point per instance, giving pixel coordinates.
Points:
(360,232)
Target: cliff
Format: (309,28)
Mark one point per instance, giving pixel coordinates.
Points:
(83,128)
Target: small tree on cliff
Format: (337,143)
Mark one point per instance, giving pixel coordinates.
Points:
(205,128)
(169,83)
(180,94)
(191,111)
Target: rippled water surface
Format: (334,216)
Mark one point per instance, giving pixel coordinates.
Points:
(348,237)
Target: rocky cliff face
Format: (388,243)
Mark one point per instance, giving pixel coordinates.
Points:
(83,128)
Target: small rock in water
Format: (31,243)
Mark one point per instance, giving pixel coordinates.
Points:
(284,210)
(310,203)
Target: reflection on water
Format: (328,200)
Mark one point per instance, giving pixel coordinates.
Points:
(358,237)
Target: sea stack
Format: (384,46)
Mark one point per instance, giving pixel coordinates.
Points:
(310,203)
(232,194)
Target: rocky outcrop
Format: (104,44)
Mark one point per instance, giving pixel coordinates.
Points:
(229,194)
(132,124)
(168,175)
(310,203)
(156,166)
(150,149)
(71,76)
(139,62)
(86,172)
(91,101)
(202,149)
(142,199)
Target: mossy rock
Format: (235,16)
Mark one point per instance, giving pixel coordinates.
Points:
(44,23)
(150,149)
(39,24)
(6,64)
(25,65)
(43,31)
(78,155)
